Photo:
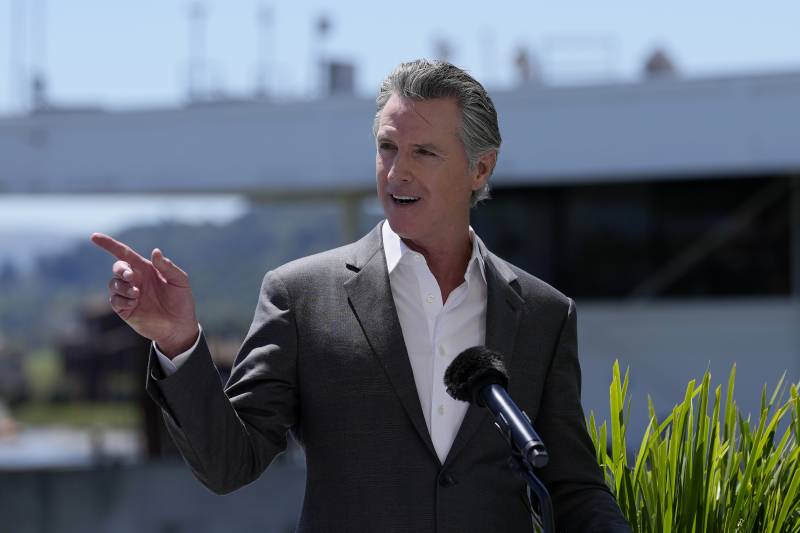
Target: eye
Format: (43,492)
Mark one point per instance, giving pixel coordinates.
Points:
(385,146)
(423,151)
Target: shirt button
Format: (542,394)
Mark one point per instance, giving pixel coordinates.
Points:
(442,351)
(429,299)
(440,410)
(418,257)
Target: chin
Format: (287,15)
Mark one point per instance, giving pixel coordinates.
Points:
(404,227)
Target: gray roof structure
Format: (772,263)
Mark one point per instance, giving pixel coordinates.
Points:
(671,128)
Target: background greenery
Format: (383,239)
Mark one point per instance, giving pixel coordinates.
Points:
(226,263)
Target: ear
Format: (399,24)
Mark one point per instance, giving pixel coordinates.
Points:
(483,169)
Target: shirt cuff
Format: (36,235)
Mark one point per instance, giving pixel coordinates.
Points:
(170,366)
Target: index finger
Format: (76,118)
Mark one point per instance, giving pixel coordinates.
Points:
(119,250)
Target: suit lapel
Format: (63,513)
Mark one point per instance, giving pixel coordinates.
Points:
(503,308)
(371,299)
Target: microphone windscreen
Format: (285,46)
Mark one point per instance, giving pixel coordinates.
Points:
(473,369)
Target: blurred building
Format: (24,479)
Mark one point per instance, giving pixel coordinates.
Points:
(669,209)
(659,65)
(104,361)
(341,78)
(102,357)
(13,386)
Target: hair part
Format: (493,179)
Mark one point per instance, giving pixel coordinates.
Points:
(424,79)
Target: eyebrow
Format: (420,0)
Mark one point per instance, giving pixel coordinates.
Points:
(425,146)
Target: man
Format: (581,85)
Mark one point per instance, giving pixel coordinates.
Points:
(347,348)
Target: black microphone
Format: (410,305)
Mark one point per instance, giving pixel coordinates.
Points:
(478,376)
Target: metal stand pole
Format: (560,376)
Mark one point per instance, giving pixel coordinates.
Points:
(524,469)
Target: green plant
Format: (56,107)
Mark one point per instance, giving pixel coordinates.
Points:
(85,415)
(695,472)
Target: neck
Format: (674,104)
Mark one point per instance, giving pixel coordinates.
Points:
(447,262)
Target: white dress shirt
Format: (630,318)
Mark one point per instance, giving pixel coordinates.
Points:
(434,332)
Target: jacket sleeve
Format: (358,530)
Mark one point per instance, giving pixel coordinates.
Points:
(229,435)
(581,499)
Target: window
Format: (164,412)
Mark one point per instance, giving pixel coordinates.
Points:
(704,237)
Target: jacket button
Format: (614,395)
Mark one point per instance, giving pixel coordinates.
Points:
(447,480)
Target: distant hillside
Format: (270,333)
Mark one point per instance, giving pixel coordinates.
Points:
(18,250)
(225,262)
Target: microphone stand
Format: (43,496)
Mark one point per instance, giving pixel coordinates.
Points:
(523,468)
(522,465)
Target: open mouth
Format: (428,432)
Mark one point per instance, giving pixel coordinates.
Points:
(404,200)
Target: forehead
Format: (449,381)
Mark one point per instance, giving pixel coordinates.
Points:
(438,116)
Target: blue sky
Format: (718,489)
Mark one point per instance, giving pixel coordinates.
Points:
(134,54)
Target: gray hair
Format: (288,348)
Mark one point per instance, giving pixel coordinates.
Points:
(423,79)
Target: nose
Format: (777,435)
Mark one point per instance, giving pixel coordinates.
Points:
(399,170)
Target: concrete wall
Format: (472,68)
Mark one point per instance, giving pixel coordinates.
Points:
(666,344)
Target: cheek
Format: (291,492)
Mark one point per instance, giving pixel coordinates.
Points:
(380,175)
(381,165)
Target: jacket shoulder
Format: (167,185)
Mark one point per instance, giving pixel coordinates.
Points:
(316,262)
(314,269)
(532,288)
(337,264)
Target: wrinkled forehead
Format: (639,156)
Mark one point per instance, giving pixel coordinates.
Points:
(437,116)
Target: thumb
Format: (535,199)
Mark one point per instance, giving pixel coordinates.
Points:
(171,272)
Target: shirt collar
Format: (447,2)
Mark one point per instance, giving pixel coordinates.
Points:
(396,250)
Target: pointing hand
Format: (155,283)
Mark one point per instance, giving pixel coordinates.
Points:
(153,296)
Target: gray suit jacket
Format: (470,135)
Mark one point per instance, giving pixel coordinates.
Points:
(325,359)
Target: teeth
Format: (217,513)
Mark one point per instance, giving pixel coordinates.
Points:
(408,198)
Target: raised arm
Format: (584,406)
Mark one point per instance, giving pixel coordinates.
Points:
(228,436)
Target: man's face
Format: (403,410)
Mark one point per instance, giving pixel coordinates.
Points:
(423,177)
